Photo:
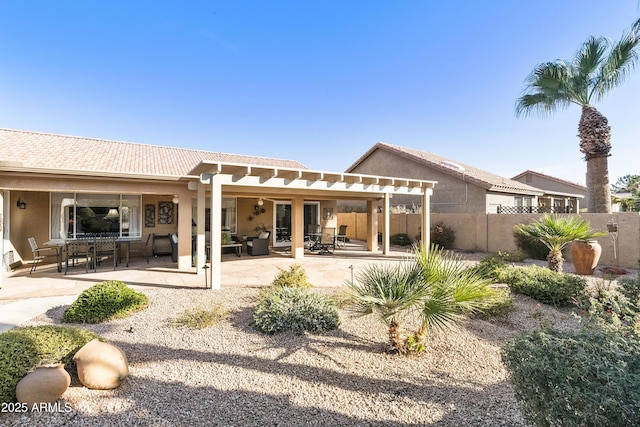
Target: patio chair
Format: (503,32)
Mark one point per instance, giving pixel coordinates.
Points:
(342,236)
(78,249)
(105,246)
(328,241)
(312,238)
(259,245)
(38,253)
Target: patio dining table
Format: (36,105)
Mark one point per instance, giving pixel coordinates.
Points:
(123,242)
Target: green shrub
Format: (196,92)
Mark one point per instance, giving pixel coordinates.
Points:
(544,285)
(104,301)
(533,248)
(442,235)
(500,306)
(490,267)
(400,239)
(630,288)
(609,309)
(297,309)
(295,277)
(22,349)
(588,379)
(201,317)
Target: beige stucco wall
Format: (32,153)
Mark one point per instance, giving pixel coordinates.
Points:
(451,194)
(493,233)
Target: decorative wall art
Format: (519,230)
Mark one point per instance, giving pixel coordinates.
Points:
(149,215)
(327,213)
(165,212)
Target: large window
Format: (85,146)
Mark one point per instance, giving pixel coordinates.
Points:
(228,212)
(77,214)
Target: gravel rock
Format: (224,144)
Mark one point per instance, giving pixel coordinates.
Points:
(232,375)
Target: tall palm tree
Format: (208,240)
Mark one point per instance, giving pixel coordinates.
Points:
(598,66)
(556,233)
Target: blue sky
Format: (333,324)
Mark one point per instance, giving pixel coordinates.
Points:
(315,81)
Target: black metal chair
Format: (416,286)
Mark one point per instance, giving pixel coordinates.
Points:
(105,246)
(78,249)
(328,241)
(342,236)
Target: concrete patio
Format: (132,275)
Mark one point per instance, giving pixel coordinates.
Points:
(24,296)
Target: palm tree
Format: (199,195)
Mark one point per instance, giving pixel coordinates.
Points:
(556,233)
(432,284)
(597,67)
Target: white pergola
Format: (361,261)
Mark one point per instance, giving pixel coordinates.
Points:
(296,186)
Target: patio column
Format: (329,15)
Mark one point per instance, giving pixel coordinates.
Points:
(297,227)
(201,254)
(425,224)
(184,231)
(215,225)
(372,225)
(387,227)
(2,233)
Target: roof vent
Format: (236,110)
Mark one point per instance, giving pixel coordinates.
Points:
(453,165)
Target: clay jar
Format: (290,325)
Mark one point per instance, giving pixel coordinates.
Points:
(585,254)
(44,385)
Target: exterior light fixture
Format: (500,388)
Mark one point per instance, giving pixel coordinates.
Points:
(21,204)
(175,199)
(260,201)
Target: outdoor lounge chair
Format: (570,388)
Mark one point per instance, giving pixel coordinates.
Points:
(259,245)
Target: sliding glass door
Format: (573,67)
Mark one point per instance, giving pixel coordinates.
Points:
(282,221)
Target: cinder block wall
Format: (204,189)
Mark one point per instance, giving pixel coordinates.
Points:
(494,232)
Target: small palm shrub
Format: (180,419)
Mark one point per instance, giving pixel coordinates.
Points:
(432,283)
(442,235)
(22,349)
(490,268)
(104,301)
(588,379)
(499,307)
(201,317)
(294,308)
(556,232)
(295,276)
(544,285)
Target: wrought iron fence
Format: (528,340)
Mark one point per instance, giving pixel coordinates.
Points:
(534,209)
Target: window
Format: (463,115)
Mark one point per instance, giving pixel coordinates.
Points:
(74,215)
(228,213)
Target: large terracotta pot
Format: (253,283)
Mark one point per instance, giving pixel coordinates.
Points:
(585,254)
(44,385)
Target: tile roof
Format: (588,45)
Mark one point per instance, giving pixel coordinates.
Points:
(71,153)
(484,179)
(553,178)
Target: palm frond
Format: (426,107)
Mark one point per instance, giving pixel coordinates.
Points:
(617,64)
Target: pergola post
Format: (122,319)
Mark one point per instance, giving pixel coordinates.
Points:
(425,226)
(201,254)
(297,227)
(215,225)
(372,225)
(387,227)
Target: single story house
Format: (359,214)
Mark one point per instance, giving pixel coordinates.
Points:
(560,196)
(461,188)
(60,187)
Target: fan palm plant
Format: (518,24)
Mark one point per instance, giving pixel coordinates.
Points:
(597,67)
(431,286)
(556,233)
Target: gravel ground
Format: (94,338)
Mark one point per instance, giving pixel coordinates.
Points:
(232,375)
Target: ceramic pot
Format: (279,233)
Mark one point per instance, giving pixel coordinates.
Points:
(44,385)
(585,254)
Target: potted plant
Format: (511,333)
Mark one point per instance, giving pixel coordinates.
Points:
(556,233)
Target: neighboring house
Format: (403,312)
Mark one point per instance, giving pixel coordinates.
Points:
(461,188)
(65,187)
(560,196)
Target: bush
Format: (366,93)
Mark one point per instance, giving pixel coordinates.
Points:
(400,239)
(588,379)
(104,301)
(500,306)
(442,235)
(490,267)
(201,317)
(295,277)
(533,248)
(297,309)
(22,349)
(630,288)
(544,285)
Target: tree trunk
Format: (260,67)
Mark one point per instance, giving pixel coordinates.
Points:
(555,261)
(595,143)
